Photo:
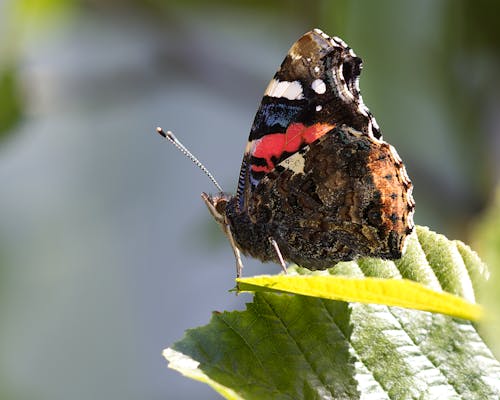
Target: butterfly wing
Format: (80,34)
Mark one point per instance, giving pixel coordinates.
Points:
(316,170)
(314,90)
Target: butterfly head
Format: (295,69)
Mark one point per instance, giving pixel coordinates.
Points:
(217,204)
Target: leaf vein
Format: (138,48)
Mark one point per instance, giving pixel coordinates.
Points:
(302,351)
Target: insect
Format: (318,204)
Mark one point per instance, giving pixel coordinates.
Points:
(317,184)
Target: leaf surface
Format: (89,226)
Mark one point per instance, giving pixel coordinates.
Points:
(292,346)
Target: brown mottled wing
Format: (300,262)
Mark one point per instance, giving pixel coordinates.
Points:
(344,196)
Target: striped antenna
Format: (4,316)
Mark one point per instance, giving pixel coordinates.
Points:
(172,139)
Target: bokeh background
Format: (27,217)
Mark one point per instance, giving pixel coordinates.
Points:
(107,253)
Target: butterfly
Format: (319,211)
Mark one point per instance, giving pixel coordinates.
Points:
(318,184)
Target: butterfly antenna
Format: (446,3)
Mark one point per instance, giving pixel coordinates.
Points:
(172,139)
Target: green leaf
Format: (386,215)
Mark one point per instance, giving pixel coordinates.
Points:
(392,292)
(189,367)
(430,258)
(486,238)
(286,346)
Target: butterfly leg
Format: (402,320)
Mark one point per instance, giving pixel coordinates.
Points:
(236,251)
(278,252)
(211,203)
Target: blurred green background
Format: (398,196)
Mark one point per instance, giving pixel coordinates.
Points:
(107,253)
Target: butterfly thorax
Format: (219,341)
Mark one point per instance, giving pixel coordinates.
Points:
(251,234)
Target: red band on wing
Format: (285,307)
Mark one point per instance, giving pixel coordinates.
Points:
(297,135)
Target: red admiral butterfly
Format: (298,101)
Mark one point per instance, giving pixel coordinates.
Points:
(318,184)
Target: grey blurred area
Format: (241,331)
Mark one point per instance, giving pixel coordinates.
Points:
(107,253)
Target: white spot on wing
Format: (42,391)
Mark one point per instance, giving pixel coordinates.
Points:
(396,156)
(316,69)
(289,90)
(318,86)
(340,42)
(319,108)
(250,147)
(294,163)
